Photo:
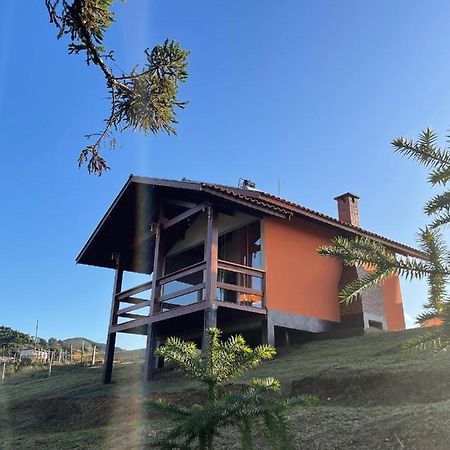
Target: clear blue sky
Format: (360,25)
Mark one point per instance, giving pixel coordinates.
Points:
(311,92)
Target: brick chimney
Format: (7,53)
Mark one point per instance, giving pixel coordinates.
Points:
(348,208)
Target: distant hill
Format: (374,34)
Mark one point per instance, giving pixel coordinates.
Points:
(130,355)
(77,343)
(13,340)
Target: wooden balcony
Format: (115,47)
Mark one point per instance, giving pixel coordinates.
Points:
(138,311)
(160,307)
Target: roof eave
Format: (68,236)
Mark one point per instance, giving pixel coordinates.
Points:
(104,219)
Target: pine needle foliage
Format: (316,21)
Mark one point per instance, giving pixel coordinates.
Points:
(256,407)
(435,264)
(144,99)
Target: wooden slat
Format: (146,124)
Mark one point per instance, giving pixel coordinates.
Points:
(170,305)
(134,307)
(134,290)
(184,215)
(173,276)
(182,311)
(130,324)
(131,316)
(244,290)
(240,307)
(134,300)
(239,268)
(181,292)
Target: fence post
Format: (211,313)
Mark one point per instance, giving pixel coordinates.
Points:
(50,361)
(94,348)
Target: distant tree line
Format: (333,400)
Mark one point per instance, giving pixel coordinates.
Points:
(12,341)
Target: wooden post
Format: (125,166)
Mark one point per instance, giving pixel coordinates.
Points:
(82,351)
(211,252)
(3,371)
(111,340)
(50,362)
(268,331)
(94,348)
(210,275)
(158,261)
(286,338)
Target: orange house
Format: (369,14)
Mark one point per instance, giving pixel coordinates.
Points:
(236,258)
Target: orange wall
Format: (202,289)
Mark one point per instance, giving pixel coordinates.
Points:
(298,279)
(393,305)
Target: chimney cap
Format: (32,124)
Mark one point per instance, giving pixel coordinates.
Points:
(346,195)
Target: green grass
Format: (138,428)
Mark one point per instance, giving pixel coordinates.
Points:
(373,395)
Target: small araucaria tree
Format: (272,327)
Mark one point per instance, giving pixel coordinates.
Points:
(143,99)
(435,265)
(254,407)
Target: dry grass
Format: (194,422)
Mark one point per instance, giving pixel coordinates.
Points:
(373,395)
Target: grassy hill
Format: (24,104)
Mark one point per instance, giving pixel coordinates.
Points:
(373,395)
(77,342)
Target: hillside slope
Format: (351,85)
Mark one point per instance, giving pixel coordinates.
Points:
(78,342)
(373,395)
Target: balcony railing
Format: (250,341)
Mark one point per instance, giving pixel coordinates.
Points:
(244,287)
(236,283)
(166,301)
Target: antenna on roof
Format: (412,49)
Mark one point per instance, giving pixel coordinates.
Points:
(279,187)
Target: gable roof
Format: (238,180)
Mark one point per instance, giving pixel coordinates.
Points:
(252,199)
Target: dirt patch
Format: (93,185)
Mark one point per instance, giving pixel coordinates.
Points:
(376,388)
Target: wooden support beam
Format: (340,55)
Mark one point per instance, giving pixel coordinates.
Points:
(268,331)
(252,309)
(111,339)
(176,312)
(209,321)
(133,307)
(286,338)
(211,253)
(210,276)
(158,261)
(150,358)
(184,215)
(134,290)
(131,324)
